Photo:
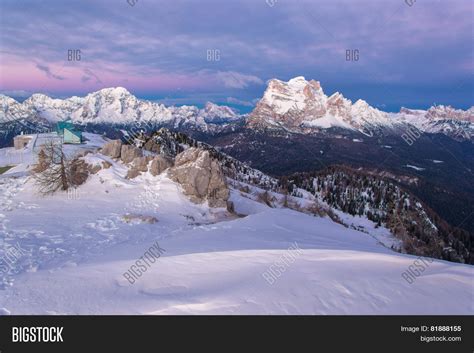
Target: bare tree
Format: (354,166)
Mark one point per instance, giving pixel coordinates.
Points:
(51,171)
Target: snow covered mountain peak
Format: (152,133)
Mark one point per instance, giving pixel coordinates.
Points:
(301,105)
(40,99)
(115,91)
(298,82)
(7,100)
(448,112)
(115,105)
(297,94)
(442,112)
(297,85)
(111,94)
(217,114)
(361,104)
(38,96)
(456,123)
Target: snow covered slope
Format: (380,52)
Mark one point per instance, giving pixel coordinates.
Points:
(75,247)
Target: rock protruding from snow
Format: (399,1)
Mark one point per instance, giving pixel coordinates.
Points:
(201,177)
(159,164)
(139,165)
(128,153)
(112,149)
(138,218)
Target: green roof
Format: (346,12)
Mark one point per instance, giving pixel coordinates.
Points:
(67,125)
(61,125)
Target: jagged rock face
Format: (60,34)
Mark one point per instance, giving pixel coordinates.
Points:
(201,177)
(287,103)
(165,143)
(139,165)
(448,112)
(301,106)
(159,164)
(455,123)
(152,146)
(112,149)
(128,153)
(215,114)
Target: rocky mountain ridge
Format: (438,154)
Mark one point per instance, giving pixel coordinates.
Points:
(302,106)
(114,106)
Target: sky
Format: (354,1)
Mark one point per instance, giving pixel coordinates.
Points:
(391,53)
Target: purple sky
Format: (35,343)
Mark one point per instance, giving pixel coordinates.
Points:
(411,56)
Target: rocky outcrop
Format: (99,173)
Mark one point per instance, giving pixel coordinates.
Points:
(112,149)
(166,143)
(128,153)
(159,164)
(79,170)
(196,169)
(137,219)
(142,164)
(94,169)
(201,177)
(139,165)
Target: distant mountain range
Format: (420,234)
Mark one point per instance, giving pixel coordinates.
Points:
(113,106)
(297,106)
(301,106)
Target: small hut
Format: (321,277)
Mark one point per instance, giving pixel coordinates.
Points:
(68,132)
(21,141)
